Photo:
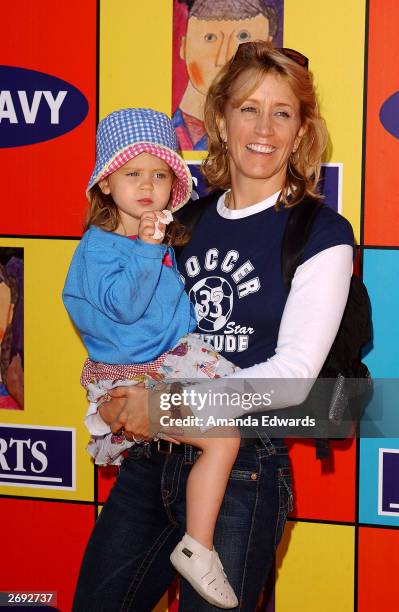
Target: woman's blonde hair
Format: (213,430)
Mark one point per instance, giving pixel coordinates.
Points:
(104,213)
(262,58)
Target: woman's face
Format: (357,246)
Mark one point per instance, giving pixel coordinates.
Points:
(262,131)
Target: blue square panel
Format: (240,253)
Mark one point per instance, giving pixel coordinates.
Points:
(381,274)
(379,481)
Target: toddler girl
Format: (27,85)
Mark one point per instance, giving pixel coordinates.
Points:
(126,298)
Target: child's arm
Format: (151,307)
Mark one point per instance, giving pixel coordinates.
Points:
(124,292)
(122,289)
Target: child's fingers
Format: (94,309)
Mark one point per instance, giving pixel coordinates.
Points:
(147,228)
(147,231)
(149,215)
(146,221)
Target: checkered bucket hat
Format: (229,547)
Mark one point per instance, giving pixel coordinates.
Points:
(126,133)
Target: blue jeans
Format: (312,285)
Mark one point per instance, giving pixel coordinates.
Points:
(126,565)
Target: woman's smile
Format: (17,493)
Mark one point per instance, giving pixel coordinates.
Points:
(260,148)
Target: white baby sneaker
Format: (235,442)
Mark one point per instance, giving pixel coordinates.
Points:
(203,569)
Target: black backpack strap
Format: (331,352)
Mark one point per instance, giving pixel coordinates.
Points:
(296,235)
(322,448)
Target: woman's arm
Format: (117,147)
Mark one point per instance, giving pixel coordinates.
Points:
(309,324)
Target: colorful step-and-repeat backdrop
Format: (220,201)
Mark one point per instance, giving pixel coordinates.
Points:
(64,66)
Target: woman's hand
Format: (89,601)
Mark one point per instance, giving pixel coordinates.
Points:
(110,409)
(128,409)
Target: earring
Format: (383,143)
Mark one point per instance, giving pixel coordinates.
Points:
(291,168)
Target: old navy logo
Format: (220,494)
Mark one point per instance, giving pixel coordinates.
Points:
(35,107)
(389,115)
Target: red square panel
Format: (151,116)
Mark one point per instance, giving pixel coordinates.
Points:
(378,563)
(105,479)
(381,220)
(44,183)
(324,489)
(42,545)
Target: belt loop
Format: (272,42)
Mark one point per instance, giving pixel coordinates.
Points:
(188,454)
(164,446)
(267,443)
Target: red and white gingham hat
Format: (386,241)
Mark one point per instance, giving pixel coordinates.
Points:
(126,133)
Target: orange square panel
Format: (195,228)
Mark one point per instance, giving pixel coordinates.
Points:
(48,115)
(378,569)
(42,546)
(324,489)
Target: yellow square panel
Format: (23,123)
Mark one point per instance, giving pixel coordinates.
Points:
(135,55)
(315,568)
(331,35)
(54,356)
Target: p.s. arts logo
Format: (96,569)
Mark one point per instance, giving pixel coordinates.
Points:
(35,107)
(37,456)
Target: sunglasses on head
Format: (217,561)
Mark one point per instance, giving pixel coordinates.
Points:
(292,54)
(295,56)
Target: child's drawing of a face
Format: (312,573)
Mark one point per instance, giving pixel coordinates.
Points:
(209,44)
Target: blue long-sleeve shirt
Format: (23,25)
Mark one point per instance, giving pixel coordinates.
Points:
(127,306)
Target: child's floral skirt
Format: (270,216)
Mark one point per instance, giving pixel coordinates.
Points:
(191,358)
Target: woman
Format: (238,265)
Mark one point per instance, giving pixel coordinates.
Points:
(266,139)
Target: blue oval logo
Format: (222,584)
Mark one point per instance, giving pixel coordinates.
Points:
(389,115)
(35,107)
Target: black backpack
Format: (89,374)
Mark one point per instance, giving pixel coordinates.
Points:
(339,405)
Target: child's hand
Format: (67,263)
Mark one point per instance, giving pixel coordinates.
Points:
(147,227)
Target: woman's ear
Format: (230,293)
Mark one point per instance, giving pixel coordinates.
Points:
(221,125)
(104,186)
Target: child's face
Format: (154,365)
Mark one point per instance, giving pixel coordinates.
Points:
(142,184)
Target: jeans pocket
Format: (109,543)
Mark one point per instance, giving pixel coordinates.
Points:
(248,475)
(285,499)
